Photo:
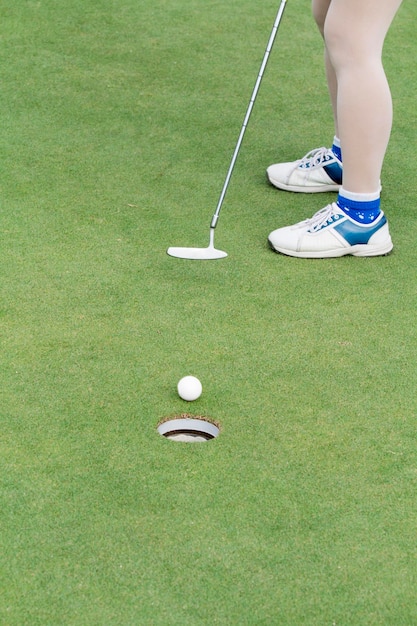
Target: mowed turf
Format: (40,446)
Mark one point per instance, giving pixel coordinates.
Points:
(118,121)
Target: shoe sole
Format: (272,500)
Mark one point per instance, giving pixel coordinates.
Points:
(299,189)
(360,250)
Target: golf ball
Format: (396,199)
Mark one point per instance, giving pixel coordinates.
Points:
(189,388)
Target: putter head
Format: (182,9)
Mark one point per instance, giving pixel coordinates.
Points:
(197,254)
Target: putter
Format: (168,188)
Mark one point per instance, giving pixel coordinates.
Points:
(211,252)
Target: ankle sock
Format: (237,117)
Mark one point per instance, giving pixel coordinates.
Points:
(336,148)
(361,207)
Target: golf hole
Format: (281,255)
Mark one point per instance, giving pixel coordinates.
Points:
(188,428)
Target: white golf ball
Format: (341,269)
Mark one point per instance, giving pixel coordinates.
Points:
(189,388)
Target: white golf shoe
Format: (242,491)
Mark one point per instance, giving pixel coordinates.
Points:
(320,170)
(331,233)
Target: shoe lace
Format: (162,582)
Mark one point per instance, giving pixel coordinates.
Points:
(316,157)
(324,217)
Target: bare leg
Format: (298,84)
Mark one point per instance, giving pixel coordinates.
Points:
(354,32)
(320,9)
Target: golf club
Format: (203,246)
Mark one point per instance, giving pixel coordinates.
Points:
(211,252)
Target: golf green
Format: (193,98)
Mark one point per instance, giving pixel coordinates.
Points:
(118,122)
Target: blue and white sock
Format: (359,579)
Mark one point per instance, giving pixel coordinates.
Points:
(336,149)
(361,207)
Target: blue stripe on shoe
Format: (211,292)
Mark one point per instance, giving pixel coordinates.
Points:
(335,172)
(358,234)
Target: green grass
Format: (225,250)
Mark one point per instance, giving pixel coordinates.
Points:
(118,124)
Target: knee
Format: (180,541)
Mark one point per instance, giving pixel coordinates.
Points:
(350,46)
(336,42)
(344,47)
